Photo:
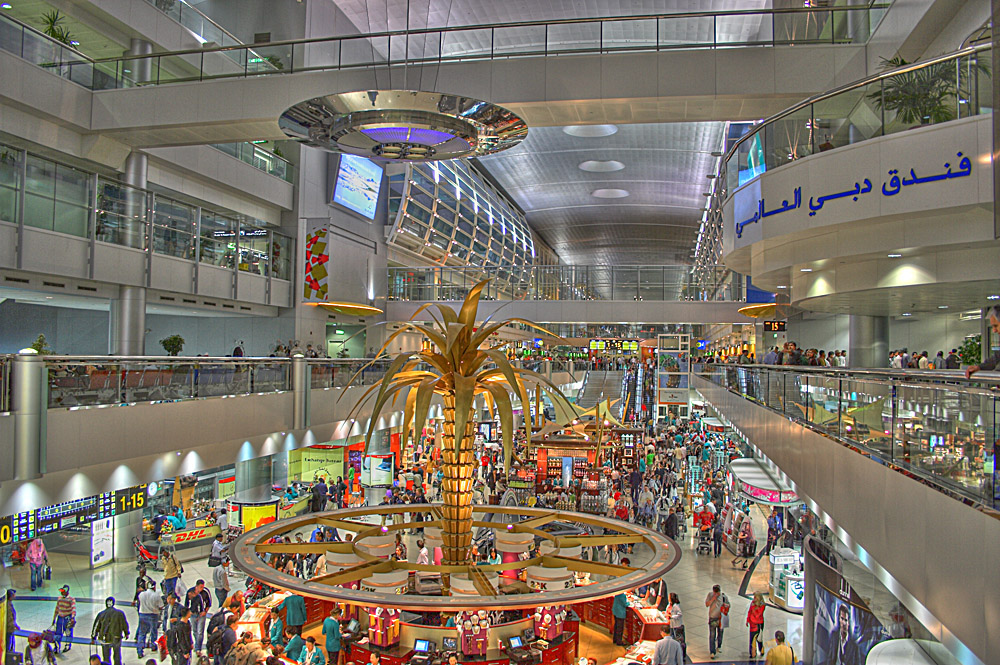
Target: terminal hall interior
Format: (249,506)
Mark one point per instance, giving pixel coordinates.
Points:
(454,332)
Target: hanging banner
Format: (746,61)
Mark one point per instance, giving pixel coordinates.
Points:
(316,285)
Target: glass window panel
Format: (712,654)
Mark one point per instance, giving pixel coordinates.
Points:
(281,252)
(419,213)
(447,195)
(463,239)
(446,214)
(443,226)
(424,181)
(426,200)
(41,176)
(71,219)
(38,211)
(439,240)
(8,204)
(71,185)
(464,226)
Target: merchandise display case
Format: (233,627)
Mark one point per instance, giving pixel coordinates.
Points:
(787,582)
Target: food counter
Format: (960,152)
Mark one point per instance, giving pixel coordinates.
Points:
(257,617)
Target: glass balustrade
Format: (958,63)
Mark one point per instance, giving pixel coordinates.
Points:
(936,426)
(632,283)
(224,57)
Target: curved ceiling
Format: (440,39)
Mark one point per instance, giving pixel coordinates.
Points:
(573,211)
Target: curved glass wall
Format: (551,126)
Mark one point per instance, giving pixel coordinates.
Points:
(447,213)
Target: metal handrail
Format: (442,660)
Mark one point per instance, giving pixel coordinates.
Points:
(42,35)
(907,374)
(518,24)
(202,14)
(847,87)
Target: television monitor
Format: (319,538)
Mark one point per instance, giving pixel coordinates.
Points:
(352,626)
(528,634)
(359,181)
(423,646)
(449,643)
(515,642)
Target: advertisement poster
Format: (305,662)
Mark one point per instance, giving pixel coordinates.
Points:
(674,369)
(380,470)
(102,542)
(255,516)
(316,285)
(227,487)
(844,632)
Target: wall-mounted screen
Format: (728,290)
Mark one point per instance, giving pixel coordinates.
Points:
(358,183)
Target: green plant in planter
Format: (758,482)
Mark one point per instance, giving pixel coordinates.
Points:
(923,96)
(971,351)
(52,26)
(41,347)
(172,345)
(275,62)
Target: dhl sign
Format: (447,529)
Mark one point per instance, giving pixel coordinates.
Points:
(193,535)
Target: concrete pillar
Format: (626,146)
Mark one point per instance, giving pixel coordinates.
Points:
(868,341)
(128,322)
(253,479)
(301,392)
(126,526)
(136,168)
(29,402)
(142,68)
(996,116)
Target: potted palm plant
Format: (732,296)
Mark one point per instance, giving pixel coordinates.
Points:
(923,96)
(172,344)
(460,364)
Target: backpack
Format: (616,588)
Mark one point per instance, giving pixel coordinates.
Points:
(214,644)
(218,620)
(239,654)
(173,644)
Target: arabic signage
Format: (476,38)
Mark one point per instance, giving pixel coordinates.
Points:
(893,184)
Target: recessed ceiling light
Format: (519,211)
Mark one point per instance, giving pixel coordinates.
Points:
(895,256)
(942,306)
(590,131)
(782,286)
(74,43)
(907,314)
(993,297)
(805,269)
(6,5)
(610,193)
(598,166)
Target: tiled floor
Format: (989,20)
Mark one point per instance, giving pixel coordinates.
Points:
(692,579)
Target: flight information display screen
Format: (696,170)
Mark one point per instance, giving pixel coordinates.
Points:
(358,183)
(34,523)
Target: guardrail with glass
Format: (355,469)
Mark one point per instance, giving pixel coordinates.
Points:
(563,282)
(63,198)
(849,24)
(956,85)
(91,381)
(936,426)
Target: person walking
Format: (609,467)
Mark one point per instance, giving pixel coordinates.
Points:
(37,559)
(755,621)
(677,622)
(220,582)
(172,570)
(619,609)
(717,536)
(667,650)
(228,638)
(780,653)
(110,627)
(150,605)
(718,618)
(198,601)
(64,618)
(171,613)
(179,642)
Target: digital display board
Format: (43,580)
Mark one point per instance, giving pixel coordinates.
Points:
(774,326)
(616,345)
(358,183)
(33,523)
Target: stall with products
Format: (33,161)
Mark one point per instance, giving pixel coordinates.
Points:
(524,610)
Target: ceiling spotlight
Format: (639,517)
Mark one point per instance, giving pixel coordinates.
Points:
(782,286)
(942,306)
(907,314)
(895,256)
(6,5)
(805,269)
(993,297)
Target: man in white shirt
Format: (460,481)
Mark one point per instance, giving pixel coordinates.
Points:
(423,556)
(667,650)
(150,605)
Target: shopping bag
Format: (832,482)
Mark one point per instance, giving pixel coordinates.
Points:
(48,572)
(724,621)
(180,589)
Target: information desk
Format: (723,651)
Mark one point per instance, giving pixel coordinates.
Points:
(257,617)
(560,651)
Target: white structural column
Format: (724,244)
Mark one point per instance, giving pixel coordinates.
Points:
(869,341)
(29,405)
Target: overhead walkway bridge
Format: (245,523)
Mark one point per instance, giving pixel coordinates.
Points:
(902,465)
(701,66)
(574,293)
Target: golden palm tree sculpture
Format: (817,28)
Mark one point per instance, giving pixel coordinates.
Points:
(460,365)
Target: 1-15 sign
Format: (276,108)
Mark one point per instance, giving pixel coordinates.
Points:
(129,499)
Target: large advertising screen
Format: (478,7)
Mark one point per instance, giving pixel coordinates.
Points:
(358,183)
(844,632)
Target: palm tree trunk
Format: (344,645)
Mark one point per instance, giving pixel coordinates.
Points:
(458,465)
